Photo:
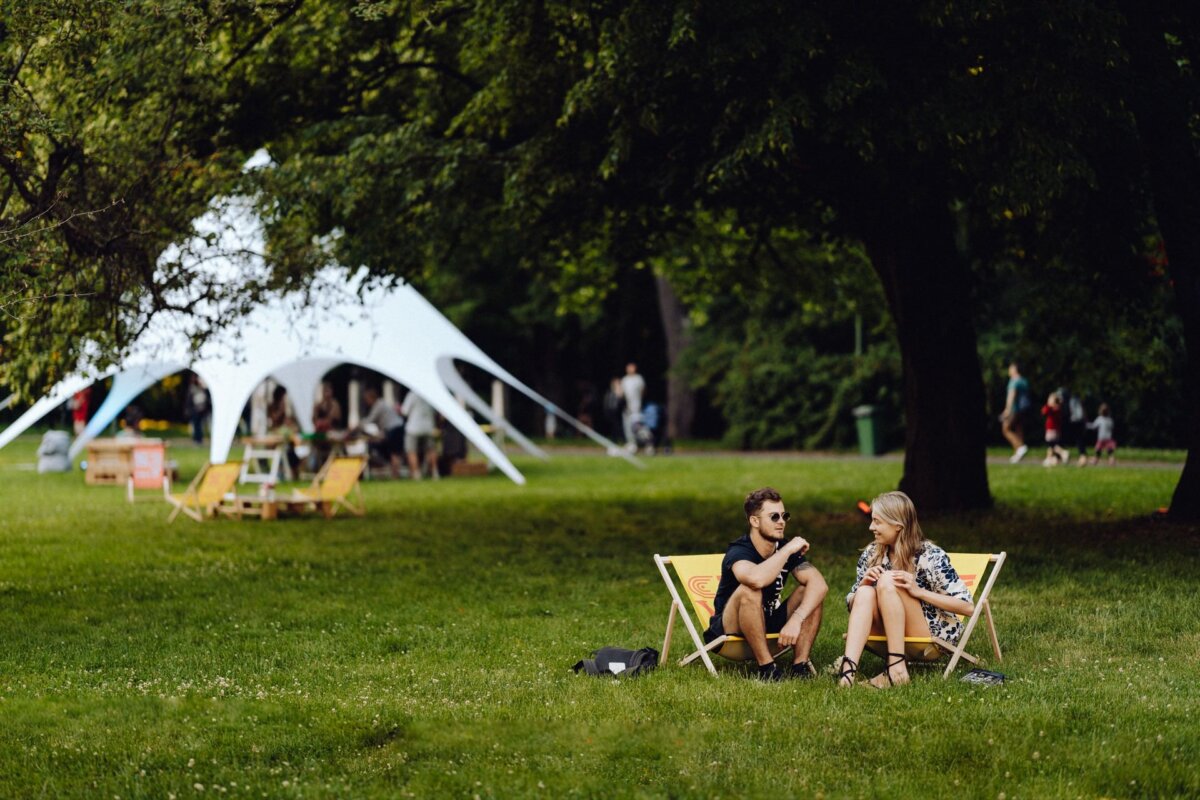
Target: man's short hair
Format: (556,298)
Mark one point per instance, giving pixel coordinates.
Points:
(755,500)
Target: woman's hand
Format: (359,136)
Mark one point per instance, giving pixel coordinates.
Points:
(904,580)
(872,575)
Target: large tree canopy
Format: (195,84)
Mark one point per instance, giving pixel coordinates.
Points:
(565,146)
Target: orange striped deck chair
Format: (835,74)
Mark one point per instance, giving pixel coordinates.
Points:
(699,576)
(972,569)
(335,486)
(206,492)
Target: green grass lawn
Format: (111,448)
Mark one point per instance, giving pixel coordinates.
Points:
(425,650)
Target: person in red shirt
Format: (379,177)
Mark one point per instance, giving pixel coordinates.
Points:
(80,409)
(1053,412)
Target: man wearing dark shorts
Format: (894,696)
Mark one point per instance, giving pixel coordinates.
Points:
(753,574)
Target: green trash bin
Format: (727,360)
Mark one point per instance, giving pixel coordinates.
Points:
(870,437)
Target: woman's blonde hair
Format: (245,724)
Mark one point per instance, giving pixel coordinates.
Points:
(897,508)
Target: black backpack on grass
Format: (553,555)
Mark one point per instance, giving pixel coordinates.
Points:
(619,661)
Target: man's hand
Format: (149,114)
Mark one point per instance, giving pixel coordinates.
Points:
(796,545)
(790,631)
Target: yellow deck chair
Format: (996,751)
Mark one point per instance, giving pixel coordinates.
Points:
(971,568)
(333,487)
(700,576)
(207,490)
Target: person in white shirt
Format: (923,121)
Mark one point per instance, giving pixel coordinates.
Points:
(633,386)
(418,434)
(384,426)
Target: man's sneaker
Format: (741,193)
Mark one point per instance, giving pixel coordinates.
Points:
(802,670)
(1021,451)
(769,672)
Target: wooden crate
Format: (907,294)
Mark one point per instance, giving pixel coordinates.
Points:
(465,468)
(110,461)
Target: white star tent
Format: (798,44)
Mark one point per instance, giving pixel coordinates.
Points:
(296,339)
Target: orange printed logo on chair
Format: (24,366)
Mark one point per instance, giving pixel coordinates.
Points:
(700,576)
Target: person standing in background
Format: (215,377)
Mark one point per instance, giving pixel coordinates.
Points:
(633,387)
(1105,443)
(614,411)
(384,426)
(418,434)
(81,404)
(1017,405)
(196,405)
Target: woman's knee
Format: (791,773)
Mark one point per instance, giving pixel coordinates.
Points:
(864,600)
(886,584)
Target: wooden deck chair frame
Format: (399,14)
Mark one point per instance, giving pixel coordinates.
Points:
(931,648)
(316,495)
(719,645)
(200,500)
(262,464)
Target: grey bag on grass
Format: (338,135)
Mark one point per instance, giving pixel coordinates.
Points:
(619,661)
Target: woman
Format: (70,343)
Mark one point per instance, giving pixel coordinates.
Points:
(905,586)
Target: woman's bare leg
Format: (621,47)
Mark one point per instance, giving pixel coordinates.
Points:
(864,615)
(901,615)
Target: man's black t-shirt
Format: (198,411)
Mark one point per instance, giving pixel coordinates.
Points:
(743,550)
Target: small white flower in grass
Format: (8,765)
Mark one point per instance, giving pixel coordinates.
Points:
(199,787)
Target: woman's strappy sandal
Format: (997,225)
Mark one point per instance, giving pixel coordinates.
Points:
(892,660)
(847,669)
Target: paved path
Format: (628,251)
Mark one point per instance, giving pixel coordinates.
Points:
(822,455)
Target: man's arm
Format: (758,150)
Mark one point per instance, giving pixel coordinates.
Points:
(815,589)
(760,576)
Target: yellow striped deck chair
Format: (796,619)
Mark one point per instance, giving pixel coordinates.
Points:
(699,576)
(333,486)
(206,492)
(971,568)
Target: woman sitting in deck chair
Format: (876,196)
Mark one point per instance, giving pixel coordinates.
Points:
(905,586)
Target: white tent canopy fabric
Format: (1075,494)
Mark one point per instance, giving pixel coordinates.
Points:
(295,340)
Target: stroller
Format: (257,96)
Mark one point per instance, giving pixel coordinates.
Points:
(646,428)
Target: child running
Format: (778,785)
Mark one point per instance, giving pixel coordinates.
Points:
(1105,443)
(1053,412)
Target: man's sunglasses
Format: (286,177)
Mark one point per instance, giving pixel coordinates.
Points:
(775,516)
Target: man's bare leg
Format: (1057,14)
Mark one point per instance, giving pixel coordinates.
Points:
(743,615)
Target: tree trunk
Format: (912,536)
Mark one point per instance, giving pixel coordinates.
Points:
(1162,104)
(681,399)
(927,287)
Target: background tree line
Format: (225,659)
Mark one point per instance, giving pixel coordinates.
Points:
(737,184)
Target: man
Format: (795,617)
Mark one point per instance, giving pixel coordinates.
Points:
(418,434)
(633,386)
(753,574)
(383,418)
(1017,403)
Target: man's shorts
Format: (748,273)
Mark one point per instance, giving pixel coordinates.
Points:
(418,442)
(393,442)
(775,621)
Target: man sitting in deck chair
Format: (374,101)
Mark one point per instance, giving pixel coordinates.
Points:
(753,574)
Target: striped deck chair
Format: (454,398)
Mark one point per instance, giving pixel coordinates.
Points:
(206,492)
(699,576)
(333,488)
(971,568)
